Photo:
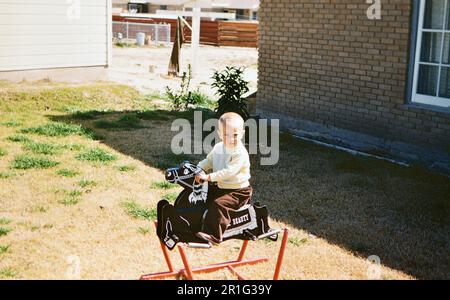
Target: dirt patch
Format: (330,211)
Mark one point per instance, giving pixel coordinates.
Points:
(132,66)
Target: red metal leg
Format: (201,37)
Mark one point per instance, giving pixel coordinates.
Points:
(165,252)
(188,271)
(168,262)
(281,254)
(242,252)
(187,268)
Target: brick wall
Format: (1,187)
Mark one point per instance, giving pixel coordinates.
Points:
(329,71)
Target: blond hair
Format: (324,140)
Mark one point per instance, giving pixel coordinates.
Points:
(231,118)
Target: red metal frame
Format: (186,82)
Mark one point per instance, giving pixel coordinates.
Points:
(188,271)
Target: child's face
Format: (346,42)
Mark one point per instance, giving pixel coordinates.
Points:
(231,134)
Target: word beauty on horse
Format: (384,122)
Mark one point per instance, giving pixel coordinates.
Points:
(180,222)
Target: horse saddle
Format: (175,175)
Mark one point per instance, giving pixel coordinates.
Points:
(247,223)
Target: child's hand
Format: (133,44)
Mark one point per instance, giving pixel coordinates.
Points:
(201,178)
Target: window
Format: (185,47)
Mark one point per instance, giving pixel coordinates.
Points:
(431,83)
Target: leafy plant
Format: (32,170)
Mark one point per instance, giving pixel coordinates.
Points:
(182,98)
(200,99)
(230,86)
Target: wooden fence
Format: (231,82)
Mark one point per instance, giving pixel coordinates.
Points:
(216,33)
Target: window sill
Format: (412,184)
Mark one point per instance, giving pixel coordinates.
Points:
(423,106)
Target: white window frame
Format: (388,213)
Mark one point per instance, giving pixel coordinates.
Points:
(420,98)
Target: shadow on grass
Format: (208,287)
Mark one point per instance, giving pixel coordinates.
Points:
(367,206)
(144,135)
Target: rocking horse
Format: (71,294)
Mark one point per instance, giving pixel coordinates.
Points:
(179,222)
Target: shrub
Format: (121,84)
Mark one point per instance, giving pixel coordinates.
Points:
(230,86)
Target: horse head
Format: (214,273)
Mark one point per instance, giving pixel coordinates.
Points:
(183,174)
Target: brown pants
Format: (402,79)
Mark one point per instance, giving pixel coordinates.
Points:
(220,203)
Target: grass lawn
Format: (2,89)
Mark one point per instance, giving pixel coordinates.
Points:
(81,171)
